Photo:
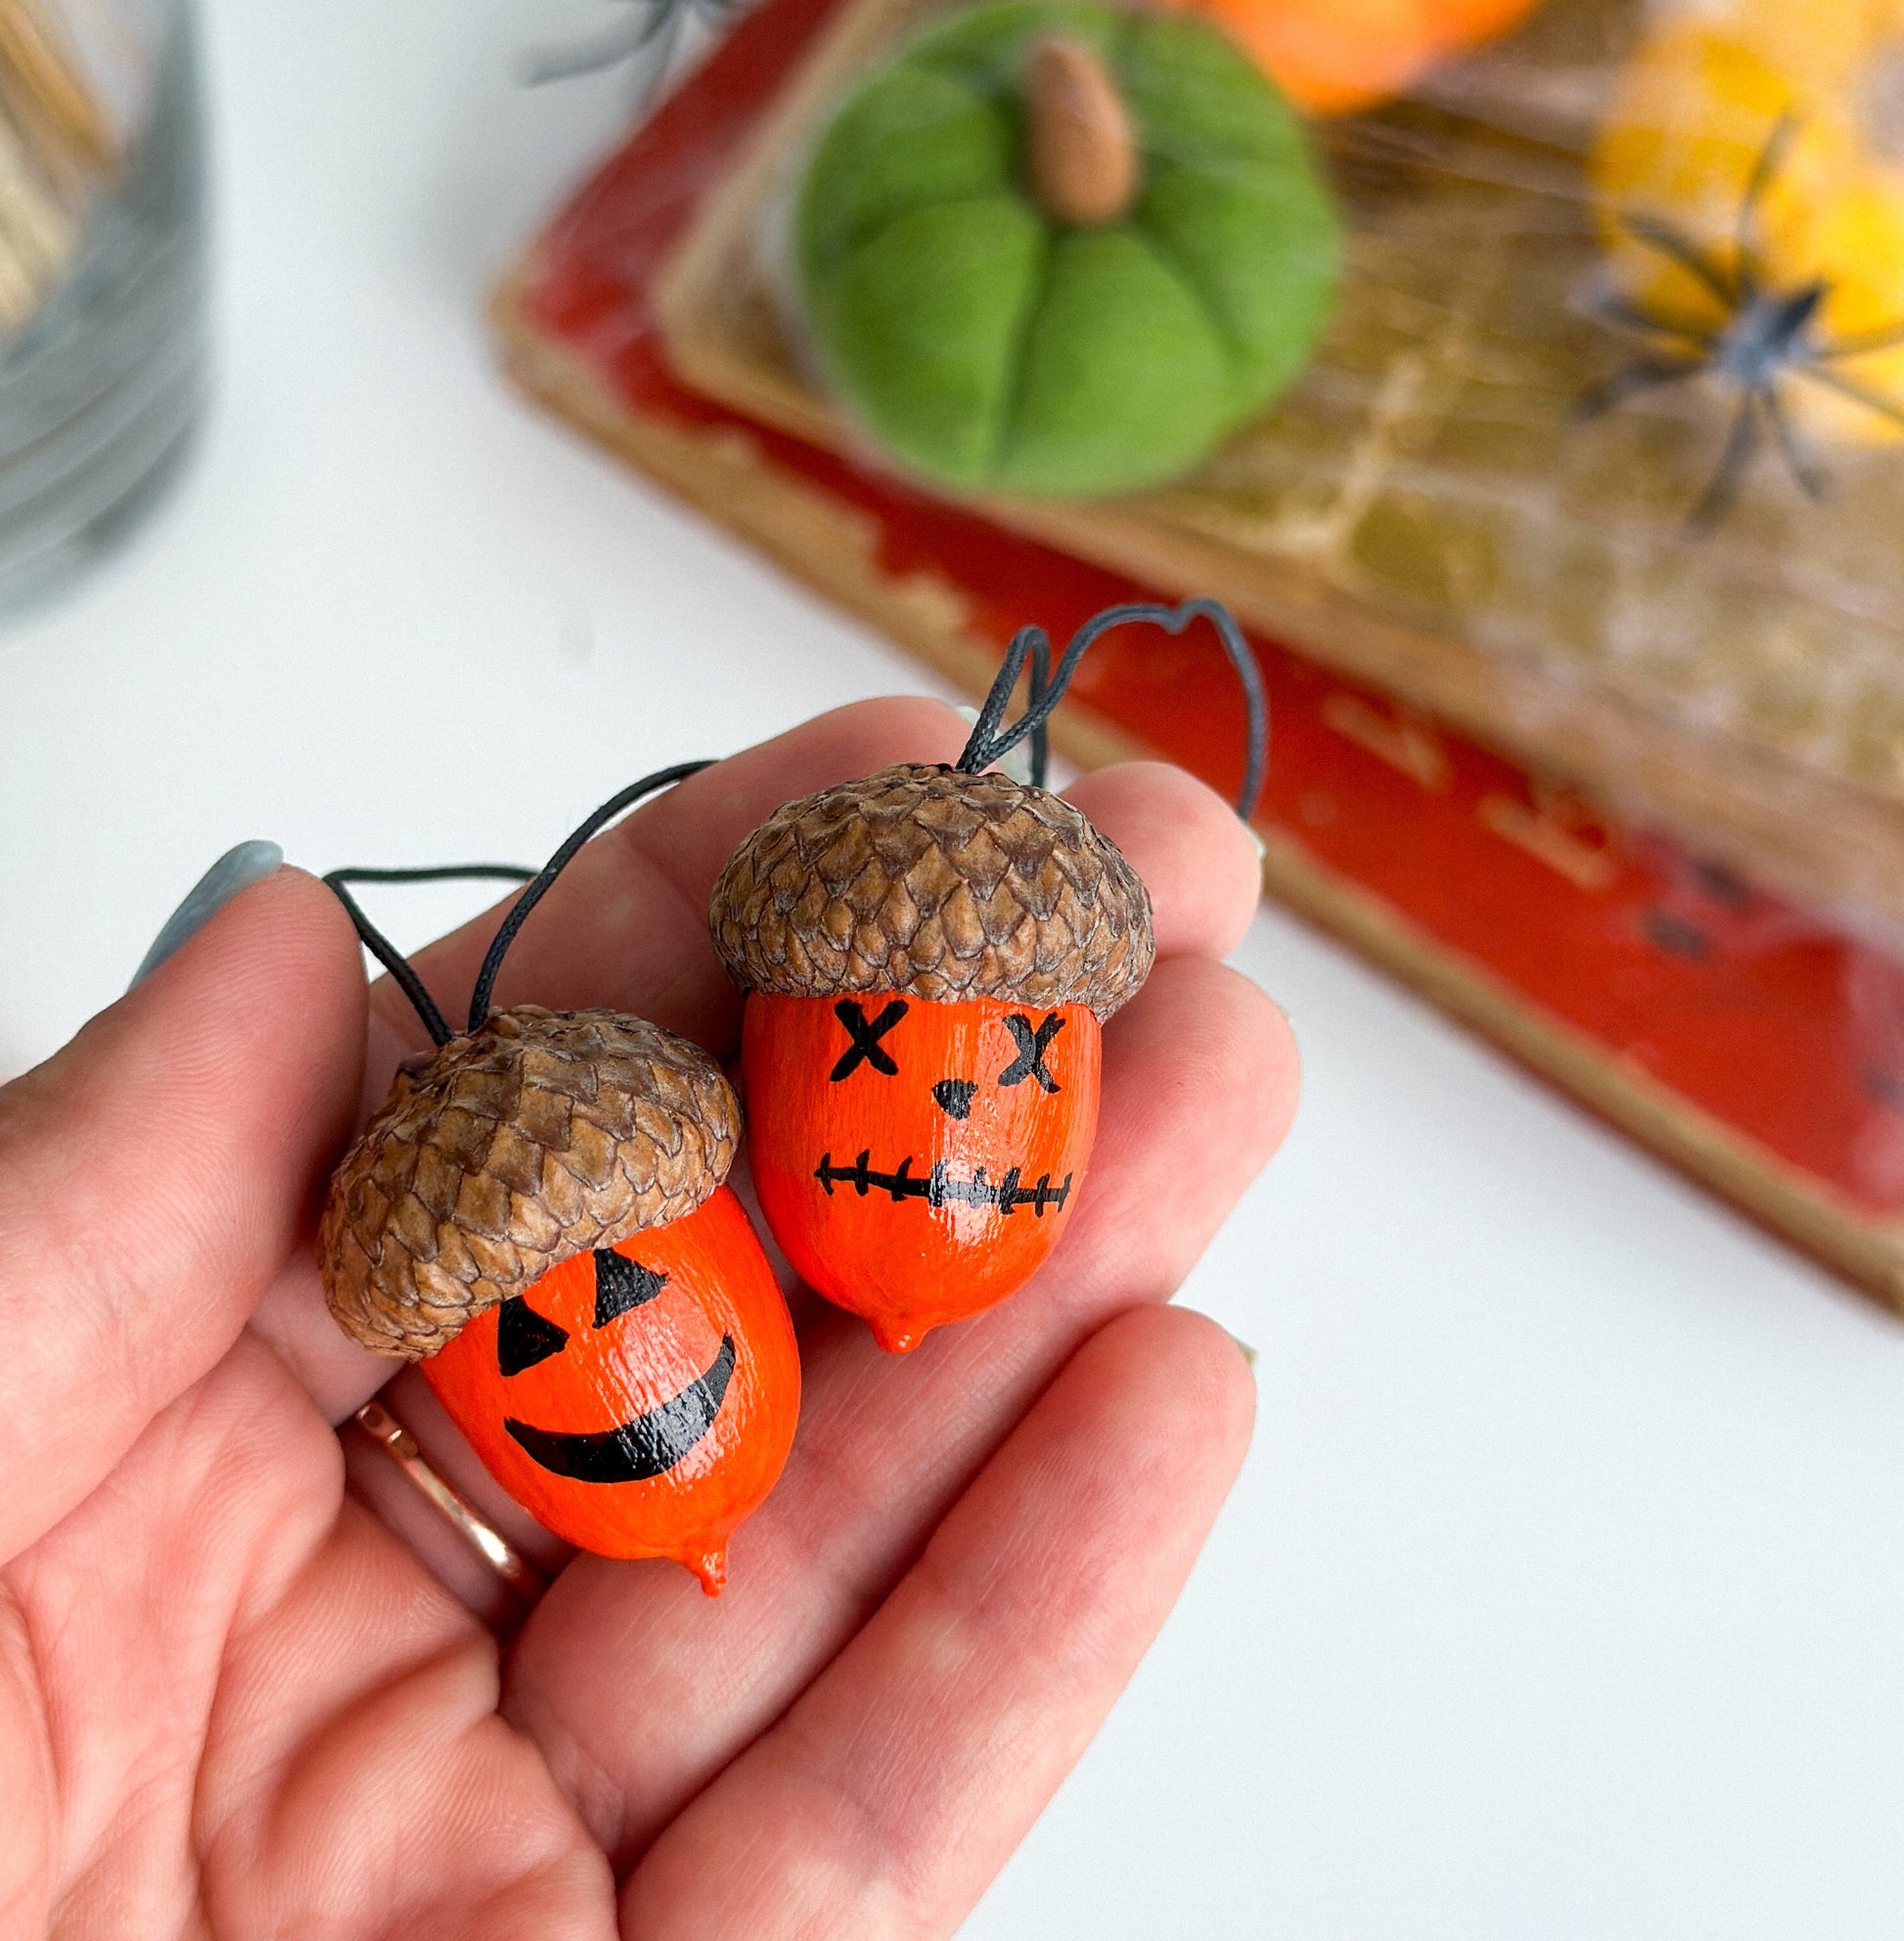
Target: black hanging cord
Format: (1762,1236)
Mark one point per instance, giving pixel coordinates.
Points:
(1036,689)
(990,741)
(492,963)
(539,881)
(386,953)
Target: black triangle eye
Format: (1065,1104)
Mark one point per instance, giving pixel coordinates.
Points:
(622,1284)
(524,1338)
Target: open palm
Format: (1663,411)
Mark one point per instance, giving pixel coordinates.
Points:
(233,1703)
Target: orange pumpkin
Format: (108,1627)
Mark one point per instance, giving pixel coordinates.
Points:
(1333,55)
(928,955)
(917,1160)
(536,1214)
(640,1399)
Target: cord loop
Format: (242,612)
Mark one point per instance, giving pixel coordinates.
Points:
(990,741)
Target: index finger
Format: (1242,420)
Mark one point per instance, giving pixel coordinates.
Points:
(155,1176)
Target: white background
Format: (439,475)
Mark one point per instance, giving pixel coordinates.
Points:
(1561,1595)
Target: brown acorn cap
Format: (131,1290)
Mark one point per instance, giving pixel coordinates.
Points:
(935,883)
(544,1134)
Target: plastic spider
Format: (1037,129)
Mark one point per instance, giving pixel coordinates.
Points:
(649,37)
(1766,336)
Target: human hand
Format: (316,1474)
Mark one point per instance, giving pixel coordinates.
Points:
(234,1702)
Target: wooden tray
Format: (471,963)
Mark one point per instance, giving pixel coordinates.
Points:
(1750,1044)
(1420,514)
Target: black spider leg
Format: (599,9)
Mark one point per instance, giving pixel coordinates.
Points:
(654,50)
(1691,345)
(1858,393)
(386,953)
(607,49)
(1765,171)
(1687,331)
(1889,337)
(1741,445)
(651,43)
(1661,236)
(1761,394)
(1648,374)
(1813,480)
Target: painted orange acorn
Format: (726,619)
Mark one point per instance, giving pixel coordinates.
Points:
(538,1214)
(929,956)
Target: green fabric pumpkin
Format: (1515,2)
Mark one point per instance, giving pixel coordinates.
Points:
(983,344)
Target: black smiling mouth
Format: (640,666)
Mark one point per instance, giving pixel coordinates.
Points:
(938,1188)
(640,1449)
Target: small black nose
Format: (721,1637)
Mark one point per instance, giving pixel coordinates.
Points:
(954,1096)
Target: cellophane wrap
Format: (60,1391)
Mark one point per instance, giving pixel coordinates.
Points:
(1473,494)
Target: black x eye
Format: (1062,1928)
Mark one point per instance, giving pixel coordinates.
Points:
(866,1034)
(1031,1061)
(524,1338)
(622,1284)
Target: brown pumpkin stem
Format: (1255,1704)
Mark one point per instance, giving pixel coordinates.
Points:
(1084,161)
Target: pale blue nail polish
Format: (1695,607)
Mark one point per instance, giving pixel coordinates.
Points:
(236,870)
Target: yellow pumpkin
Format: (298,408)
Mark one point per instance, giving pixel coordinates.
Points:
(1756,153)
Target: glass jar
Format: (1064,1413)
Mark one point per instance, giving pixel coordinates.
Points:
(102,274)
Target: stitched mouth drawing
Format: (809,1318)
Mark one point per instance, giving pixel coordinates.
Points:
(636,1451)
(938,1188)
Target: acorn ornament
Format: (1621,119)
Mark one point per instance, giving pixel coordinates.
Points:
(929,956)
(538,1215)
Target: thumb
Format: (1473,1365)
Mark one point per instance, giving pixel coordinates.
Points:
(154,1177)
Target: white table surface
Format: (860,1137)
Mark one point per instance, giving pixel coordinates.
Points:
(1561,1596)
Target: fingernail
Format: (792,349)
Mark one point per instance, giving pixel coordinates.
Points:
(1249,1353)
(236,870)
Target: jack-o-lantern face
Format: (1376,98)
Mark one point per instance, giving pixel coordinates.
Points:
(640,1400)
(917,1160)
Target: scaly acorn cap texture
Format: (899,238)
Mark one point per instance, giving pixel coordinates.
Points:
(935,884)
(544,1134)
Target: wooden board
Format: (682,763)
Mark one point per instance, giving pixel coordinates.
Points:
(1752,1045)
(1758,723)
